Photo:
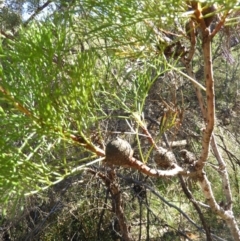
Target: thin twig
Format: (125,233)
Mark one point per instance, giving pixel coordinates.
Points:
(38,10)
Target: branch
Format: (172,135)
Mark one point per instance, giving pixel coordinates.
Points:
(221,162)
(197,208)
(162,199)
(140,166)
(38,10)
(219,25)
(81,140)
(168,203)
(191,32)
(18,106)
(210,93)
(166,143)
(208,139)
(6,35)
(112,184)
(198,85)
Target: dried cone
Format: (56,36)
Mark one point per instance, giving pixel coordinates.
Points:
(118,152)
(164,158)
(188,157)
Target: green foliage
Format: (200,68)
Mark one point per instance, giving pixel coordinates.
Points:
(9,19)
(47,92)
(51,88)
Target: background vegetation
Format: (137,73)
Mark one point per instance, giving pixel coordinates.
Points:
(75,75)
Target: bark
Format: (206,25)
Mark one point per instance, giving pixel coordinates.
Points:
(111,183)
(210,94)
(117,206)
(208,137)
(197,208)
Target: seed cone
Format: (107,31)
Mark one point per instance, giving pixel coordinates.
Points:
(188,157)
(164,159)
(118,152)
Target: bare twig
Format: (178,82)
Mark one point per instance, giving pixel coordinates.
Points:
(37,11)
(112,184)
(169,204)
(197,208)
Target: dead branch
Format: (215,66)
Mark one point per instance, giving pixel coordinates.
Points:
(111,183)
